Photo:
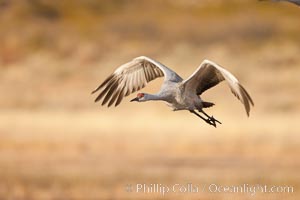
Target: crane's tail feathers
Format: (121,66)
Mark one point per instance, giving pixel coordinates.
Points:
(207,104)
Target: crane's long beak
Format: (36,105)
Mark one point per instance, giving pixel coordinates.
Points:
(135,99)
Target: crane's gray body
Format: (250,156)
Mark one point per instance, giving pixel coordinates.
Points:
(178,98)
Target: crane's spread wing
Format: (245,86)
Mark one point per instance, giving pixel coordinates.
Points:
(209,74)
(131,77)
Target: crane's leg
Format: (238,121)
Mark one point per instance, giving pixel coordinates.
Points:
(208,120)
(212,119)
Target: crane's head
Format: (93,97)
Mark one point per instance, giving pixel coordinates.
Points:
(139,97)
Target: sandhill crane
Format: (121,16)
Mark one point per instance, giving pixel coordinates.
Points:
(297,2)
(178,93)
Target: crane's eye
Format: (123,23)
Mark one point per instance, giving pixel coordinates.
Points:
(140,95)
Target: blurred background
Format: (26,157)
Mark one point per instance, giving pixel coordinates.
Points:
(57,144)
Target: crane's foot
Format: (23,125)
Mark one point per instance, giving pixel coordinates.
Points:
(212,121)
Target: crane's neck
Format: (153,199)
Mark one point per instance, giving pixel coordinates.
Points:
(152,97)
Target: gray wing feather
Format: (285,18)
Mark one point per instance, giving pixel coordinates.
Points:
(209,74)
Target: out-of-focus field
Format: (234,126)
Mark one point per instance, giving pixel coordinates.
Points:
(57,144)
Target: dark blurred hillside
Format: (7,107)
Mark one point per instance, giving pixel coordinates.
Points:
(61,27)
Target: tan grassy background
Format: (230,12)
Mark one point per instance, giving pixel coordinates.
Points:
(57,144)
